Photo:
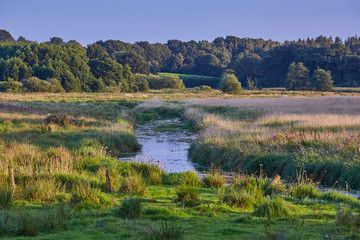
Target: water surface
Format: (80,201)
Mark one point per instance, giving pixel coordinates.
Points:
(167,142)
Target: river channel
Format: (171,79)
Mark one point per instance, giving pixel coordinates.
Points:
(166,142)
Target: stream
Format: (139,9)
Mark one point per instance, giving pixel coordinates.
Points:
(166,142)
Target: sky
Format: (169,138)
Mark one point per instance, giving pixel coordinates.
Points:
(88,21)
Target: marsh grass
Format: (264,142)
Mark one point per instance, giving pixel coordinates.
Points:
(131,208)
(187,195)
(167,231)
(133,184)
(318,134)
(70,163)
(272,208)
(6,198)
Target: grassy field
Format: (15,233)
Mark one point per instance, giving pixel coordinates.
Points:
(60,179)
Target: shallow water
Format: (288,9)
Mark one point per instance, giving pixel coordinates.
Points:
(164,141)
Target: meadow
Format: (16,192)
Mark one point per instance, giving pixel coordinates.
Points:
(60,177)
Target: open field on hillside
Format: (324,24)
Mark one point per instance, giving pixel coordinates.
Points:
(60,177)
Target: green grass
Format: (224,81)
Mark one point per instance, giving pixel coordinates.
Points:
(62,187)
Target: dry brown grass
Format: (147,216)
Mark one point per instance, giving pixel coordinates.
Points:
(162,94)
(275,106)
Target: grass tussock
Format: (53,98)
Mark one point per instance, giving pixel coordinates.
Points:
(272,208)
(131,208)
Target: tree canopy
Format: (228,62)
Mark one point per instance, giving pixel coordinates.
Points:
(255,62)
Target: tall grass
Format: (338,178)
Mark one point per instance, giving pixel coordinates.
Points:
(318,134)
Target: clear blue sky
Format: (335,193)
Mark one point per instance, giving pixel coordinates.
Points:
(159,20)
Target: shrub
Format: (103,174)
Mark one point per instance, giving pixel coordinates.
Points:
(173,82)
(230,84)
(167,231)
(11,86)
(187,195)
(133,184)
(277,207)
(61,120)
(97,85)
(142,85)
(204,88)
(35,84)
(131,208)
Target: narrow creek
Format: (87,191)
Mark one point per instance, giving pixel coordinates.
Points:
(166,142)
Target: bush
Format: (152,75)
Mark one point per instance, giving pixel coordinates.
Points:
(97,85)
(167,231)
(11,86)
(142,85)
(274,208)
(187,195)
(35,84)
(173,82)
(230,84)
(131,208)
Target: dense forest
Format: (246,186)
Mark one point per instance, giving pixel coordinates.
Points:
(114,65)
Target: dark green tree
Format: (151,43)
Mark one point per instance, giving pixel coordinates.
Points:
(297,77)
(95,51)
(6,36)
(322,80)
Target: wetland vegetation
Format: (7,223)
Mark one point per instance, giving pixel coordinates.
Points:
(61,178)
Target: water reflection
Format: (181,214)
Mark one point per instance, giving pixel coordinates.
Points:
(167,142)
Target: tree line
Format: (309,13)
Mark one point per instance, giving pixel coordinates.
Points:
(114,65)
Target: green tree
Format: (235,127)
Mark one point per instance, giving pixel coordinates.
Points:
(10,85)
(95,51)
(136,62)
(297,77)
(6,36)
(230,84)
(322,80)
